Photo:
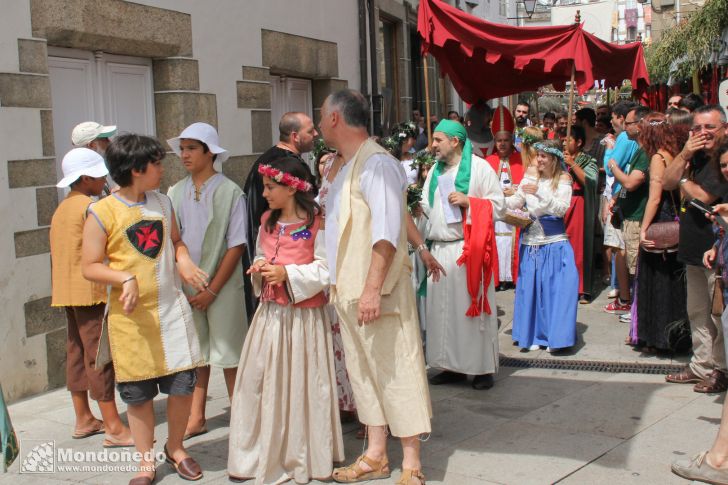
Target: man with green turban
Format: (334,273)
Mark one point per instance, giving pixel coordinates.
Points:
(457,343)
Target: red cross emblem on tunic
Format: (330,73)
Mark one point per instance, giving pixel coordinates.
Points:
(146,236)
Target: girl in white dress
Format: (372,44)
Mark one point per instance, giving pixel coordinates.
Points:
(284,421)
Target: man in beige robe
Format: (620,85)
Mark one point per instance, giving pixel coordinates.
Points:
(370,271)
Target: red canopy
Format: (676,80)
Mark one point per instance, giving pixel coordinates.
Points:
(485,60)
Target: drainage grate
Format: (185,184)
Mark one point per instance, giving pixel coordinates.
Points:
(592,366)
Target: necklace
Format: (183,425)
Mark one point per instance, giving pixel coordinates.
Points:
(198,190)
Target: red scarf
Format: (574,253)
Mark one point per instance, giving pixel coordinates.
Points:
(479,254)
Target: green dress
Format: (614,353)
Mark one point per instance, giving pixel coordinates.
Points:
(582,229)
(8,440)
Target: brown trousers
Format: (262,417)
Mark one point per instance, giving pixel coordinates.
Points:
(84,332)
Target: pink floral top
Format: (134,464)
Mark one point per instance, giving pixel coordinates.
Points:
(325,184)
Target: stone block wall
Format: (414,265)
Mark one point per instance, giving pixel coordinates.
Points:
(32,346)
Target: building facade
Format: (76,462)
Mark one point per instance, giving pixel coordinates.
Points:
(616,21)
(155,66)
(668,13)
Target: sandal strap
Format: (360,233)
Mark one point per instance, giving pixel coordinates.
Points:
(375,465)
(408,474)
(353,467)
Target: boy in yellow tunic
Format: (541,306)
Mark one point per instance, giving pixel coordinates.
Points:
(151,334)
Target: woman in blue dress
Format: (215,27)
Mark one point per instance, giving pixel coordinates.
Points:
(548,282)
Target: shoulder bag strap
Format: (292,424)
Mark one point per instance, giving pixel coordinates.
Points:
(672,196)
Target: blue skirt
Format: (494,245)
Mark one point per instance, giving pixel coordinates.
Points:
(547,296)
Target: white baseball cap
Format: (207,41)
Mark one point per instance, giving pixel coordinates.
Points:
(86,132)
(205,133)
(81,161)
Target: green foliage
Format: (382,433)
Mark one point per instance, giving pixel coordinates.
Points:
(391,144)
(320,147)
(400,133)
(693,39)
(414,196)
(423,158)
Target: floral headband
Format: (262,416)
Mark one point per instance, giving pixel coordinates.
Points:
(406,129)
(541,147)
(284,178)
(529,139)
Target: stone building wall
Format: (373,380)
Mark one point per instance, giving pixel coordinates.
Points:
(211,62)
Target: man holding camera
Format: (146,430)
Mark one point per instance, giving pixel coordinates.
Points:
(698,178)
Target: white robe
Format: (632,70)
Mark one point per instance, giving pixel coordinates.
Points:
(505,236)
(456,342)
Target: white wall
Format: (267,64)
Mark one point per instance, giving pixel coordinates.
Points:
(596,17)
(226,36)
(22,360)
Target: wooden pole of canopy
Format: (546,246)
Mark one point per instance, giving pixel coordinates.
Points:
(570,113)
(427,102)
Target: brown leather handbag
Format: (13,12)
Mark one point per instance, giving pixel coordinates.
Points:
(665,235)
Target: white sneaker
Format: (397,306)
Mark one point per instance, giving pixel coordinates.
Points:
(613,293)
(626,318)
(534,347)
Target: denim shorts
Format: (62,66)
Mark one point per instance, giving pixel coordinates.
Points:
(177,384)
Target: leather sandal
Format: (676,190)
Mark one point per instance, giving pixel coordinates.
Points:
(143,480)
(187,469)
(685,376)
(354,473)
(715,382)
(409,476)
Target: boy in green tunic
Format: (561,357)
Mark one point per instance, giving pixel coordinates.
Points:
(211,212)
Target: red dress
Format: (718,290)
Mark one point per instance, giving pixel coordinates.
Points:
(574,220)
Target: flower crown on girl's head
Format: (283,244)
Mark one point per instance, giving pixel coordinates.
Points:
(550,150)
(284,178)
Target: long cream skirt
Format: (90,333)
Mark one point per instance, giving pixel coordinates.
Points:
(284,420)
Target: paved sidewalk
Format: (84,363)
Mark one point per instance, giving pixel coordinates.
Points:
(536,426)
(600,337)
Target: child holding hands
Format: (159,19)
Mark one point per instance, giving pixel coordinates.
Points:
(284,419)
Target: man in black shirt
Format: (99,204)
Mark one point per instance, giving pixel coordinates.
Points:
(297,134)
(699,178)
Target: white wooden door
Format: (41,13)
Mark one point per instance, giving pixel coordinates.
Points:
(299,95)
(72,91)
(108,89)
(289,94)
(129,101)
